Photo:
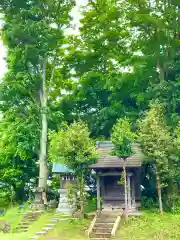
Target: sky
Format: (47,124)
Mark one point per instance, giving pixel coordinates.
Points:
(76,16)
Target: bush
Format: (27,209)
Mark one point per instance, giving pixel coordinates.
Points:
(147,202)
(6,197)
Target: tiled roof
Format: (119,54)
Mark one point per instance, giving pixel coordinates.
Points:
(106,160)
(60,168)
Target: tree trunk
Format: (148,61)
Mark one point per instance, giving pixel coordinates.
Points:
(43,170)
(82,195)
(125,192)
(158,183)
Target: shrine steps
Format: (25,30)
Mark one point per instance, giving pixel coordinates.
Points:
(27,219)
(104,225)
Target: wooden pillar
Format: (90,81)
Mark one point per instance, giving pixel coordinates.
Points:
(129,190)
(98,193)
(133,193)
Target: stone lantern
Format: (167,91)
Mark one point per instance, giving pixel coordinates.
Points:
(66,176)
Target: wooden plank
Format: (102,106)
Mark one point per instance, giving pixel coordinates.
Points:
(98,193)
(110,174)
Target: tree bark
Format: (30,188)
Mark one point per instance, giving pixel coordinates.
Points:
(125,191)
(158,183)
(81,189)
(43,170)
(98,193)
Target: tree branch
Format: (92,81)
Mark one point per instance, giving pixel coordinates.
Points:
(52,75)
(44,92)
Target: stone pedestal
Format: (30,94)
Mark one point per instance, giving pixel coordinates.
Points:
(38,201)
(64,206)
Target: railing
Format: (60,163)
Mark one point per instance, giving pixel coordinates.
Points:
(89,231)
(115,227)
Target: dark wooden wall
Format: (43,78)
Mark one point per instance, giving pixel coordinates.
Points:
(113,193)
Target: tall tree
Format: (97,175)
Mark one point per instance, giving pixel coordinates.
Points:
(74,148)
(123,137)
(106,89)
(157,144)
(33,32)
(128,50)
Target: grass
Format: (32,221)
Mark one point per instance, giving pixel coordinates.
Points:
(74,230)
(12,217)
(151,226)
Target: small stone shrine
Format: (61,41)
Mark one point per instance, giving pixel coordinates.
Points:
(65,176)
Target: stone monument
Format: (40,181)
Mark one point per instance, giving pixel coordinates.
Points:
(66,176)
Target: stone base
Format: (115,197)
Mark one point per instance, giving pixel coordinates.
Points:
(64,206)
(66,211)
(38,206)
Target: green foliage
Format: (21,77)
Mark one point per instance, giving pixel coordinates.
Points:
(6,197)
(151,225)
(125,56)
(122,136)
(70,194)
(161,149)
(154,136)
(33,33)
(72,146)
(147,202)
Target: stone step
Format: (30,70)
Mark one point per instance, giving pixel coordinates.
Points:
(22,227)
(47,229)
(102,230)
(62,215)
(54,220)
(30,217)
(23,224)
(104,225)
(61,219)
(106,220)
(100,235)
(99,238)
(20,230)
(49,225)
(111,214)
(40,233)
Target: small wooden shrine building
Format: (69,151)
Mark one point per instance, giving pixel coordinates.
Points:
(109,171)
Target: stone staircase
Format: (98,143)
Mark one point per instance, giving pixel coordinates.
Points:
(105,225)
(51,224)
(27,219)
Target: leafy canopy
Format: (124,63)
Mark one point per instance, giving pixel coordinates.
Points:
(72,146)
(122,136)
(155,137)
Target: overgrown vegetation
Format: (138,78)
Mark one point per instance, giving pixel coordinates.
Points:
(123,63)
(151,225)
(123,137)
(73,147)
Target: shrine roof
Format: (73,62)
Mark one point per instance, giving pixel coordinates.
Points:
(61,168)
(107,160)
